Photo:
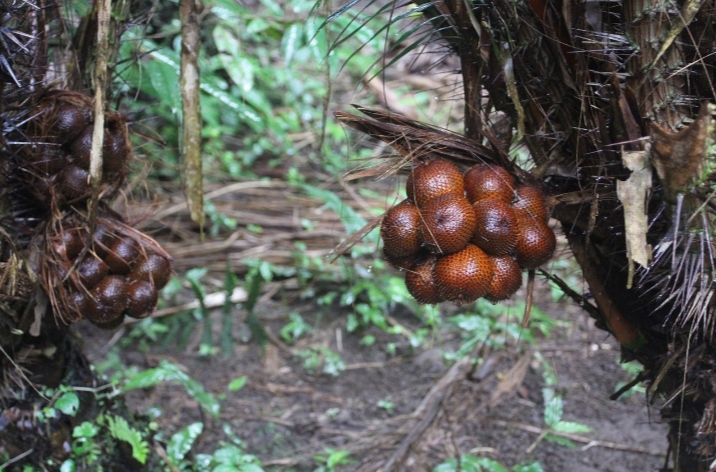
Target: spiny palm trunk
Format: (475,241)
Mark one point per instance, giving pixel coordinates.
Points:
(59,240)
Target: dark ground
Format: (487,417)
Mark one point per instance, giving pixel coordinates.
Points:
(286,415)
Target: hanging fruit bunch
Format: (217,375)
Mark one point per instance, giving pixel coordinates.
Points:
(463,237)
(52,150)
(100,270)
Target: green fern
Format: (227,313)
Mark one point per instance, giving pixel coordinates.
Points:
(120,429)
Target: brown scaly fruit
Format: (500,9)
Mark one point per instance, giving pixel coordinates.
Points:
(420,282)
(142,298)
(448,223)
(91,271)
(400,230)
(496,228)
(463,277)
(108,300)
(506,279)
(530,201)
(74,183)
(69,122)
(122,255)
(536,243)
(433,178)
(154,268)
(69,243)
(484,182)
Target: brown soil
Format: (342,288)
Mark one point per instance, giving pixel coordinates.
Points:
(286,416)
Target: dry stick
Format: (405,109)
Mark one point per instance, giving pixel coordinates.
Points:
(190,43)
(17,458)
(428,409)
(104,8)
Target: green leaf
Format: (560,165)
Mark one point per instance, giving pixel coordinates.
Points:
(181,442)
(238,383)
(168,372)
(85,430)
(534,467)
(68,403)
(449,465)
(273,7)
(120,429)
(553,411)
(68,466)
(225,468)
(337,458)
(251,468)
(316,40)
(292,41)
(475,464)
(560,440)
(571,427)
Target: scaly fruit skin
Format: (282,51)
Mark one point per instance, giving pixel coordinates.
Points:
(91,271)
(142,298)
(154,268)
(485,182)
(420,282)
(432,179)
(506,279)
(463,277)
(74,183)
(536,243)
(70,122)
(69,243)
(496,228)
(400,230)
(530,201)
(448,223)
(108,300)
(122,255)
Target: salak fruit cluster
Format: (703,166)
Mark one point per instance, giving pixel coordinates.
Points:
(101,270)
(460,238)
(116,272)
(56,150)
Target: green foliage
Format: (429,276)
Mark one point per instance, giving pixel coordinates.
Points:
(554,408)
(229,458)
(84,446)
(331,459)
(295,328)
(470,463)
(321,357)
(237,384)
(181,442)
(259,85)
(633,369)
(497,325)
(168,372)
(120,429)
(68,403)
(387,405)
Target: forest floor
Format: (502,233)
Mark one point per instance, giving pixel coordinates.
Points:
(410,406)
